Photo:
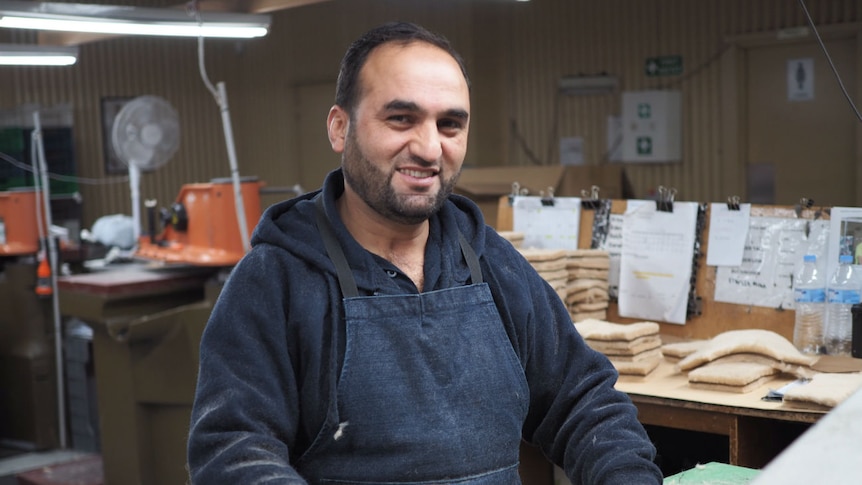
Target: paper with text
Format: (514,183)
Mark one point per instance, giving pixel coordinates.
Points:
(547,226)
(728,230)
(613,244)
(773,250)
(656,262)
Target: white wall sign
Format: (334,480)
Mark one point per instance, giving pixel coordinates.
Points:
(800,79)
(652,126)
(572,151)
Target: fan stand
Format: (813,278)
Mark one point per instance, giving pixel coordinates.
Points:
(135,191)
(145,136)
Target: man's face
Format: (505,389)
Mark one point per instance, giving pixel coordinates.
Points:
(405,143)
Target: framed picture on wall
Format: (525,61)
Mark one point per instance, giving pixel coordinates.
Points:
(111,105)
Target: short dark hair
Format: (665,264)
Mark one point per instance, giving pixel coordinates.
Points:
(404,33)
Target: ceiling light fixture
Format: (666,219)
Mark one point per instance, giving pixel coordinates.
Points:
(587,85)
(37,55)
(122,20)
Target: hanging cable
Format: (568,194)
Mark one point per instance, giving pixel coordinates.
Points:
(522,142)
(553,143)
(64,178)
(829,59)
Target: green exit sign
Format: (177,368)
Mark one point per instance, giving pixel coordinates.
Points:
(663,66)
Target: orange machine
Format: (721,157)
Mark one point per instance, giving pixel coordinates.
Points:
(201,227)
(19,230)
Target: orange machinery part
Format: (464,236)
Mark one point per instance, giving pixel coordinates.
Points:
(20,234)
(43,278)
(212,237)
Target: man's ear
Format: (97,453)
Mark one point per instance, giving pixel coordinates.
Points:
(336,126)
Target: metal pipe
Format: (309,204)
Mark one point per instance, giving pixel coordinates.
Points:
(234,171)
(52,255)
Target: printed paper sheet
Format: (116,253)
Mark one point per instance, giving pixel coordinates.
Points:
(553,226)
(656,262)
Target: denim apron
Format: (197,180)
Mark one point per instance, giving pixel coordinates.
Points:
(430,392)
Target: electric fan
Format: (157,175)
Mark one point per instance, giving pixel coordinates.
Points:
(145,136)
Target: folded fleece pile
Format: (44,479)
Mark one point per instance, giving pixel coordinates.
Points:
(825,390)
(633,348)
(551,266)
(743,360)
(674,351)
(587,289)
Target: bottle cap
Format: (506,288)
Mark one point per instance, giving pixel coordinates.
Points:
(845,258)
(809,258)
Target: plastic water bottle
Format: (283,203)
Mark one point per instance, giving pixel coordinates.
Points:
(844,291)
(809,289)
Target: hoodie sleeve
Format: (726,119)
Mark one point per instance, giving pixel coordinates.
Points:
(245,412)
(577,418)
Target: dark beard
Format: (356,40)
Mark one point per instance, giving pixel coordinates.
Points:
(374,187)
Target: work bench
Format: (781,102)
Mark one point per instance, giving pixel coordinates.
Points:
(146,323)
(756,430)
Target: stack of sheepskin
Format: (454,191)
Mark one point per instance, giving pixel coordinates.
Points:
(633,348)
(587,294)
(551,266)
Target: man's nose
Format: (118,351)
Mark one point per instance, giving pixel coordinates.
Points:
(426,142)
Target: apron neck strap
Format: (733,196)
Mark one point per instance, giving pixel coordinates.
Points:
(342,267)
(471,259)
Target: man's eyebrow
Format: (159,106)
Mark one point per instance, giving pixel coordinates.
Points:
(458,113)
(401,105)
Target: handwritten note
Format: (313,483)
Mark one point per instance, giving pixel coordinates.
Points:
(773,249)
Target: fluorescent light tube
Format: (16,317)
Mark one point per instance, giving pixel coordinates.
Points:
(132,28)
(37,55)
(120,20)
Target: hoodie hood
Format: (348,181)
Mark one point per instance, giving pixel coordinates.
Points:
(291,226)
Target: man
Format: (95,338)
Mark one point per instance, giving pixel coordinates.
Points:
(380,332)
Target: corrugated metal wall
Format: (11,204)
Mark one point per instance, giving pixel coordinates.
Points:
(517,52)
(564,38)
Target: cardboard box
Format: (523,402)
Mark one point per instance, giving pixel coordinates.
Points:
(485,185)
